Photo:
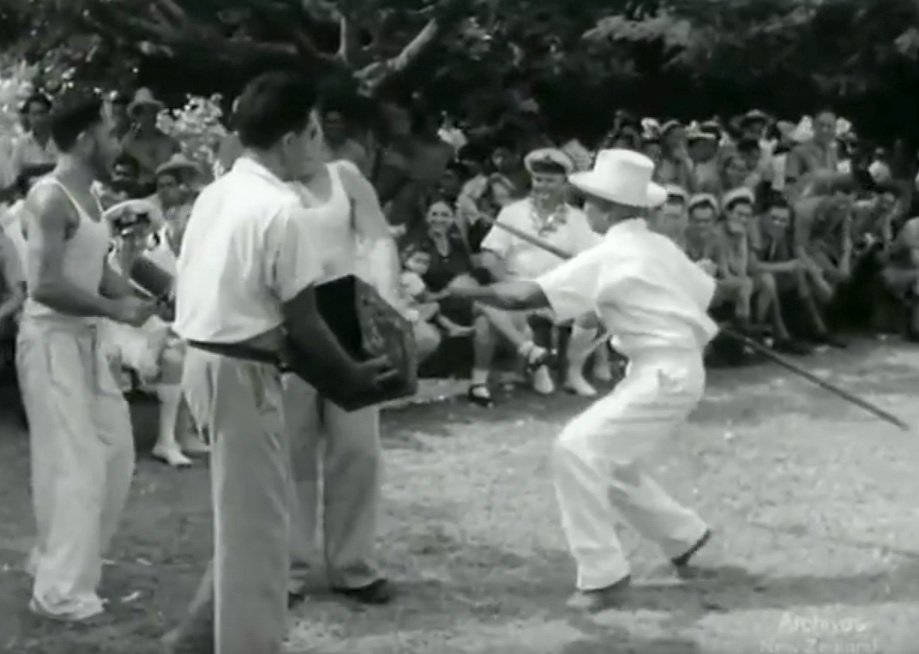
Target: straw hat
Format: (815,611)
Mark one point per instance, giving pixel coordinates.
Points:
(144,97)
(623,177)
(178,163)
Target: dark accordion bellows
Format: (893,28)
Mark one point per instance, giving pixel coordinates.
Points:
(367,327)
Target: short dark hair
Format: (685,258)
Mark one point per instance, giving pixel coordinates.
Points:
(74,113)
(38,97)
(272,105)
(777,201)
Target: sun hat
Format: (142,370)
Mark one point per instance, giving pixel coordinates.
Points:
(623,177)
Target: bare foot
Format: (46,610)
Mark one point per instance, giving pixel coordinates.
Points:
(172,456)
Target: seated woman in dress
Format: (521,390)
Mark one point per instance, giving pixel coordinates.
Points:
(451,266)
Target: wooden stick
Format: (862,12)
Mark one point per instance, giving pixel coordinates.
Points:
(746,340)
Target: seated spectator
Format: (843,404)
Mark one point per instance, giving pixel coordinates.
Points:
(475,213)
(123,184)
(544,214)
(815,156)
(450,264)
(506,161)
(339,144)
(778,276)
(706,244)
(152,351)
(735,173)
(675,166)
(423,306)
(671,218)
(901,273)
(149,146)
(36,147)
(173,181)
(823,241)
(703,156)
(757,161)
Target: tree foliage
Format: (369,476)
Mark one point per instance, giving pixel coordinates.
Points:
(580,60)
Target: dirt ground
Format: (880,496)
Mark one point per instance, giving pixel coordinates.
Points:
(813,503)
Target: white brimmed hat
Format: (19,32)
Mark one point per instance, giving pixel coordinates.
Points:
(739,193)
(132,213)
(551,156)
(623,177)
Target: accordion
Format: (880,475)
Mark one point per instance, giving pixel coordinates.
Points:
(367,327)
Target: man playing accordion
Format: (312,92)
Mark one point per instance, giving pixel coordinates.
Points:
(244,293)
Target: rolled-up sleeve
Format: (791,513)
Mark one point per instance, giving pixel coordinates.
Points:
(291,261)
(571,288)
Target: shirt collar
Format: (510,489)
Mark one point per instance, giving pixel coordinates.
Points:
(248,166)
(629,225)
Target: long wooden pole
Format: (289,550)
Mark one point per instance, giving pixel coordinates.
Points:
(746,340)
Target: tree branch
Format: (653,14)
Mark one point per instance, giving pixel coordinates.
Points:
(190,39)
(374,76)
(344,39)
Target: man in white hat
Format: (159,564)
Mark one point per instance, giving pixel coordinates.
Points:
(145,142)
(654,300)
(547,215)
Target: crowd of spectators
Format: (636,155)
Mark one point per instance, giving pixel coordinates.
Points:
(809,231)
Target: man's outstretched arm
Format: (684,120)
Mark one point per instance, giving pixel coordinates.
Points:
(511,295)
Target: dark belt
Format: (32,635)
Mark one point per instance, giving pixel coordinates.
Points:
(241,351)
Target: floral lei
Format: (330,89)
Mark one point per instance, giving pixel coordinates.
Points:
(555,219)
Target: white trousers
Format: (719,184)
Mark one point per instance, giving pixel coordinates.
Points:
(598,474)
(336,463)
(244,591)
(82,460)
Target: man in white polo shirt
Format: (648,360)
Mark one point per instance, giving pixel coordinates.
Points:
(244,286)
(546,214)
(653,300)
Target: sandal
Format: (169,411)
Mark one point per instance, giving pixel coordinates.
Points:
(480,395)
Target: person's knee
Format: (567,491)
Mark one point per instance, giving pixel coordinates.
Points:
(427,340)
(766,283)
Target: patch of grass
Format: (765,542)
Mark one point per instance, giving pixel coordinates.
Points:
(813,505)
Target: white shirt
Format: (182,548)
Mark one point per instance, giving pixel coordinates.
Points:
(646,291)
(242,257)
(524,260)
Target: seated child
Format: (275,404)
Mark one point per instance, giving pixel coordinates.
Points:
(423,308)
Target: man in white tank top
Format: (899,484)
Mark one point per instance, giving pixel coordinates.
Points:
(333,449)
(80,428)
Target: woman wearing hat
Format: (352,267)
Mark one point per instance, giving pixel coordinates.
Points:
(655,301)
(145,142)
